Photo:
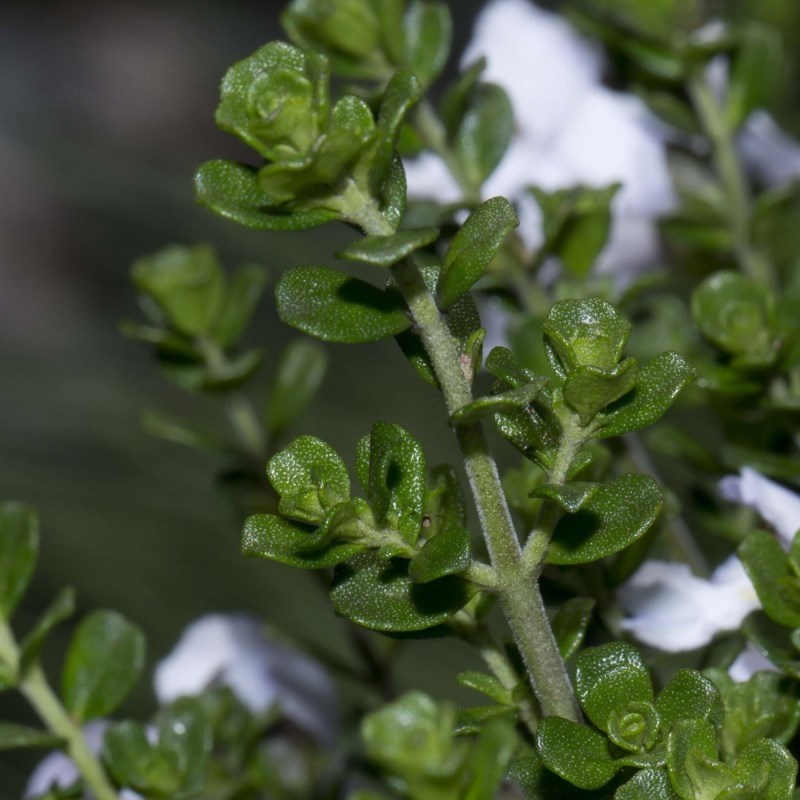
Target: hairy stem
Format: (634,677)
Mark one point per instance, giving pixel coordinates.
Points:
(37,691)
(752,260)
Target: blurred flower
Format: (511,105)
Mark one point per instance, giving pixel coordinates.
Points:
(570,131)
(776,505)
(769,153)
(748,662)
(58,769)
(673,610)
(232,650)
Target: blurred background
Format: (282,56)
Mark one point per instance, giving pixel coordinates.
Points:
(107,109)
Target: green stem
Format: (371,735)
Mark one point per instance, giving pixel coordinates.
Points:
(434,136)
(239,410)
(37,691)
(752,260)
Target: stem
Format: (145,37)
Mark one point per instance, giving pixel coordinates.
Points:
(240,412)
(37,691)
(752,261)
(433,134)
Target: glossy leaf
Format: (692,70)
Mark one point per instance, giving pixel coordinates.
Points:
(577,753)
(692,760)
(489,759)
(570,496)
(584,333)
(428,34)
(241,296)
(379,594)
(472,720)
(647,784)
(570,624)
(104,662)
(610,677)
(474,247)
(768,769)
(269,536)
(186,282)
(485,684)
(185,737)
(232,190)
(505,366)
(589,389)
(62,607)
(767,567)
(444,505)
(383,251)
(657,385)
(297,380)
(486,406)
(690,695)
(310,478)
(134,762)
(484,133)
(615,516)
(446,553)
(397,484)
(19,548)
(737,314)
(337,308)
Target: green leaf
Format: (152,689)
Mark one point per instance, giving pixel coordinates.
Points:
(589,389)
(577,753)
(768,769)
(647,784)
(238,304)
(768,568)
(657,385)
(486,406)
(489,759)
(474,719)
(737,314)
(609,678)
(383,251)
(615,516)
(504,365)
(694,770)
(174,429)
(135,763)
(185,738)
(13,736)
(337,308)
(444,505)
(484,134)
(570,624)
(577,222)
(195,377)
(396,488)
(187,283)
(392,193)
(104,661)
(690,695)
(413,735)
(232,190)
(19,548)
(298,377)
(310,478)
(62,607)
(446,553)
(428,33)
(474,247)
(755,72)
(269,536)
(485,684)
(586,332)
(570,496)
(379,594)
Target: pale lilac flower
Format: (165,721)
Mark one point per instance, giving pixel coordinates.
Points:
(58,769)
(748,662)
(777,505)
(232,650)
(570,131)
(674,610)
(769,153)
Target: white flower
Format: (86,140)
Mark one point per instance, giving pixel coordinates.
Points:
(777,505)
(673,610)
(768,151)
(570,131)
(232,650)
(748,662)
(58,769)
